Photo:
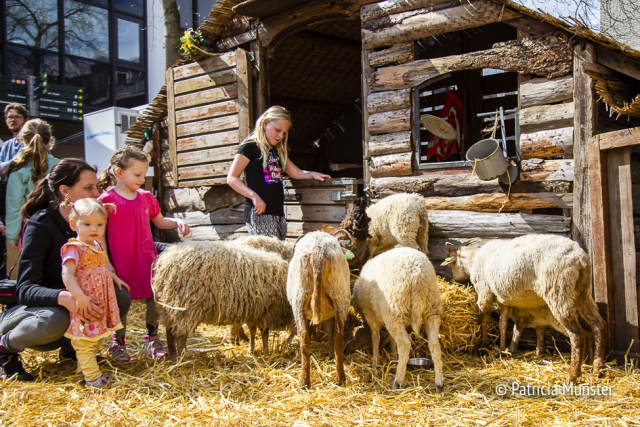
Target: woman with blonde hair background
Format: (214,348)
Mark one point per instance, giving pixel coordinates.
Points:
(32,164)
(263,157)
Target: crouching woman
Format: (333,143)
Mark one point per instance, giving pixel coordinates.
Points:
(41,317)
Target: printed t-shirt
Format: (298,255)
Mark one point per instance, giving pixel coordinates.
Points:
(265,181)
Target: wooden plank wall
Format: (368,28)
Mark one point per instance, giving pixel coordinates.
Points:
(546,121)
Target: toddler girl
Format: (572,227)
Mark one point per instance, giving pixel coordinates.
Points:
(131,245)
(85,275)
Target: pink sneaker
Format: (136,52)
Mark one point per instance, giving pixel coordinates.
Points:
(155,348)
(119,353)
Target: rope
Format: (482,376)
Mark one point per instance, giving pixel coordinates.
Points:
(475,162)
(508,192)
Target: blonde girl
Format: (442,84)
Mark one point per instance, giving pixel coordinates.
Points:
(32,164)
(263,158)
(131,244)
(86,277)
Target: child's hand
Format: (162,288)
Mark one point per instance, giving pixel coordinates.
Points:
(259,205)
(319,176)
(183,227)
(83,304)
(120,283)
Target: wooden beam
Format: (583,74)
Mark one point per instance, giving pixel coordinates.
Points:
(396,54)
(407,26)
(390,121)
(380,9)
(205,66)
(623,251)
(551,170)
(391,165)
(600,235)
(531,26)
(546,117)
(547,143)
(379,102)
(261,81)
(550,55)
(584,127)
(619,62)
(619,139)
(329,39)
(542,91)
(229,43)
(208,96)
(290,100)
(366,135)
(388,143)
(171,119)
(245,98)
(494,202)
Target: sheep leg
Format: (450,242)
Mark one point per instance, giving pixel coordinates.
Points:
(577,336)
(515,339)
(265,341)
(375,344)
(540,345)
(504,319)
(338,345)
(252,339)
(292,332)
(598,325)
(432,325)
(181,344)
(399,334)
(485,300)
(331,325)
(305,351)
(171,343)
(394,348)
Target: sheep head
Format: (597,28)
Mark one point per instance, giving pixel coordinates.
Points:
(458,260)
(353,233)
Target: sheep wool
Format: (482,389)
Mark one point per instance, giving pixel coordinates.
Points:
(269,244)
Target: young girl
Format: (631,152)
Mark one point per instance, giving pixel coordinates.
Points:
(131,245)
(86,277)
(262,158)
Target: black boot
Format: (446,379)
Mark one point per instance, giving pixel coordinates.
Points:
(12,368)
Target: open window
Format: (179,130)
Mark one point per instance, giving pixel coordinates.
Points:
(469,101)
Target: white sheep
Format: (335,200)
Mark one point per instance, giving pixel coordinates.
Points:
(529,272)
(270,244)
(318,290)
(220,283)
(539,318)
(399,288)
(400,219)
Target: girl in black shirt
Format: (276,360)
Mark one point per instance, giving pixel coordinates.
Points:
(263,158)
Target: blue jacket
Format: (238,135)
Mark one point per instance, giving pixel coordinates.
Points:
(9,150)
(19,186)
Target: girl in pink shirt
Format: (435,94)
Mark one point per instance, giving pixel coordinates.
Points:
(131,245)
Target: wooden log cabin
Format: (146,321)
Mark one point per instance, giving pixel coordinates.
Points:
(357,75)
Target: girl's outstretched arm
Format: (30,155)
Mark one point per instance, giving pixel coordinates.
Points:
(166,223)
(296,173)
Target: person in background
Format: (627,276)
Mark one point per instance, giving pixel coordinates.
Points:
(24,171)
(15,116)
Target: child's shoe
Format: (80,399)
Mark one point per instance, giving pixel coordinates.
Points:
(102,382)
(119,353)
(155,347)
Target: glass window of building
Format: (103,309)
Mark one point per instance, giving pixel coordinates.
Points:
(186,13)
(33,23)
(94,77)
(128,41)
(204,7)
(23,62)
(131,88)
(86,30)
(132,7)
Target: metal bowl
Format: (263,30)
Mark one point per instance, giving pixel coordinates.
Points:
(419,363)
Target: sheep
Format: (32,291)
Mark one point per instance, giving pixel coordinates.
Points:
(399,219)
(269,244)
(529,272)
(318,289)
(220,283)
(538,318)
(397,288)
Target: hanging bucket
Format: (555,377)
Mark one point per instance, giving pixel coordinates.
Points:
(490,160)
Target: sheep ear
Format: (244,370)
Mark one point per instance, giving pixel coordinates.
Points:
(449,247)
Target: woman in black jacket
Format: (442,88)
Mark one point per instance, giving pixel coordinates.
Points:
(41,317)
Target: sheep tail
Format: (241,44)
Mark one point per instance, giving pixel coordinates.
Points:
(317,264)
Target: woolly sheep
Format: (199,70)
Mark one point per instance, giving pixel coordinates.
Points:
(529,272)
(269,244)
(398,219)
(220,283)
(318,289)
(539,318)
(399,288)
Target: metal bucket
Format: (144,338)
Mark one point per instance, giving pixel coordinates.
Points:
(490,160)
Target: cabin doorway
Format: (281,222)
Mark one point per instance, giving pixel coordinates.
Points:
(315,73)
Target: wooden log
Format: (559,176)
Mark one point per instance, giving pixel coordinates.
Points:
(208,65)
(494,202)
(388,143)
(209,140)
(168,180)
(456,184)
(619,62)
(383,8)
(208,96)
(547,143)
(391,165)
(311,196)
(217,154)
(165,162)
(549,55)
(379,102)
(620,139)
(171,127)
(220,216)
(367,71)
(209,125)
(314,213)
(542,91)
(635,189)
(492,225)
(218,78)
(549,170)
(295,229)
(205,199)
(207,111)
(204,171)
(204,182)
(230,42)
(438,245)
(208,233)
(396,54)
(546,117)
(406,26)
(390,121)
(623,251)
(245,106)
(584,127)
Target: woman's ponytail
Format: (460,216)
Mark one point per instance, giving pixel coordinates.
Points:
(39,198)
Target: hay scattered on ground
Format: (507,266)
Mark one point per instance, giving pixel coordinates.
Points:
(218,384)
